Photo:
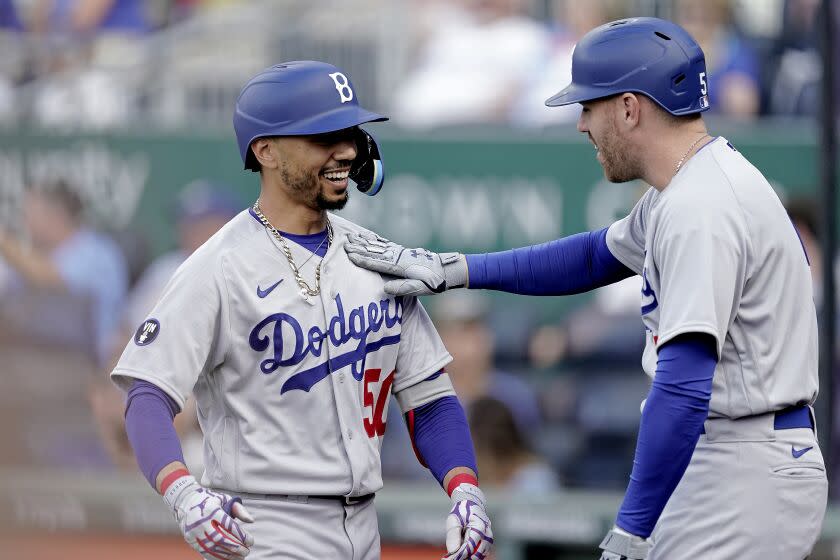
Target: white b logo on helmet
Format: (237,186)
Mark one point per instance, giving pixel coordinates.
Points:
(343,86)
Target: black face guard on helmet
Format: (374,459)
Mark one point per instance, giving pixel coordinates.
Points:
(367,170)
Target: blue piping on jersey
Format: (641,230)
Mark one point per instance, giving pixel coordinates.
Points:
(306,379)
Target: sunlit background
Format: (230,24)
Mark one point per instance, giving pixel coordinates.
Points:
(115,122)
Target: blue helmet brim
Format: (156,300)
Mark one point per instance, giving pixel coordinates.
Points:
(574,93)
(338,119)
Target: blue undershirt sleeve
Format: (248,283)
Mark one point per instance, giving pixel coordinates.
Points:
(441,436)
(571,265)
(149,413)
(672,420)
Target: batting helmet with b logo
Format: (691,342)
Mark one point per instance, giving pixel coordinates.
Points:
(302,98)
(643,55)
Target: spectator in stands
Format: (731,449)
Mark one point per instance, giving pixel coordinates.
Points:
(81,46)
(571,20)
(83,17)
(472,65)
(461,319)
(504,456)
(10,45)
(733,69)
(9,19)
(795,89)
(606,330)
(202,208)
(66,260)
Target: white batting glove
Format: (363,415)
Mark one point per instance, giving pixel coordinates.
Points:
(621,545)
(419,272)
(468,533)
(209,520)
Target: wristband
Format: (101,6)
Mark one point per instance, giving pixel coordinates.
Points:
(172,477)
(460,479)
(176,488)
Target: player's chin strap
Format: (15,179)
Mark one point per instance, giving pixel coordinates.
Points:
(367,170)
(621,545)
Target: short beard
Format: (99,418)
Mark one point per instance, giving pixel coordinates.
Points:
(619,165)
(325,204)
(306,189)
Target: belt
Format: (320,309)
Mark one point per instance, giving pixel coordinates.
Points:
(789,418)
(353,500)
(345,500)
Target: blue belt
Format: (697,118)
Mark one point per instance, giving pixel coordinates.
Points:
(789,418)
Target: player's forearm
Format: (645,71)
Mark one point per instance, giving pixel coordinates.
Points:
(570,265)
(35,267)
(441,438)
(148,423)
(672,420)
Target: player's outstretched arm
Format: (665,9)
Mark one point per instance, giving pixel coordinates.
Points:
(209,521)
(570,265)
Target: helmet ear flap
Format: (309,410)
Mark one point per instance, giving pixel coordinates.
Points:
(367,170)
(251,163)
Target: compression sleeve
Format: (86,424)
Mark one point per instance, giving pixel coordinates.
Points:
(149,413)
(570,265)
(441,436)
(672,420)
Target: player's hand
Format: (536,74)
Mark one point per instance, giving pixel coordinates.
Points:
(419,272)
(621,545)
(210,521)
(468,533)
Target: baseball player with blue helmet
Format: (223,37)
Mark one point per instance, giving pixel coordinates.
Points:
(292,352)
(727,462)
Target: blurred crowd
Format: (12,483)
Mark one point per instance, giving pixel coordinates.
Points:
(550,406)
(99,64)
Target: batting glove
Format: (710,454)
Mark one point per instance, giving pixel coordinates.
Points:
(621,545)
(208,520)
(419,272)
(468,533)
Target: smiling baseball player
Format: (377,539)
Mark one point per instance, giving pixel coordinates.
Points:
(727,462)
(292,352)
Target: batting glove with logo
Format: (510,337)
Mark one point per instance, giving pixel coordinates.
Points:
(621,545)
(419,272)
(209,520)
(468,533)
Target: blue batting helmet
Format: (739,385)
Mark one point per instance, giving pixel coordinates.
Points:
(643,55)
(302,98)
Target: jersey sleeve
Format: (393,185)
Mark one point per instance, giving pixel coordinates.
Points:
(698,254)
(626,237)
(421,352)
(183,333)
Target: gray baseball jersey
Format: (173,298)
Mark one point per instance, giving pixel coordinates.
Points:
(719,255)
(292,395)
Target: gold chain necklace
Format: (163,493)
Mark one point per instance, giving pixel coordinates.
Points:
(682,159)
(305,290)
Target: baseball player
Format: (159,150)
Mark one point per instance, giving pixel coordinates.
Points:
(727,463)
(292,352)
